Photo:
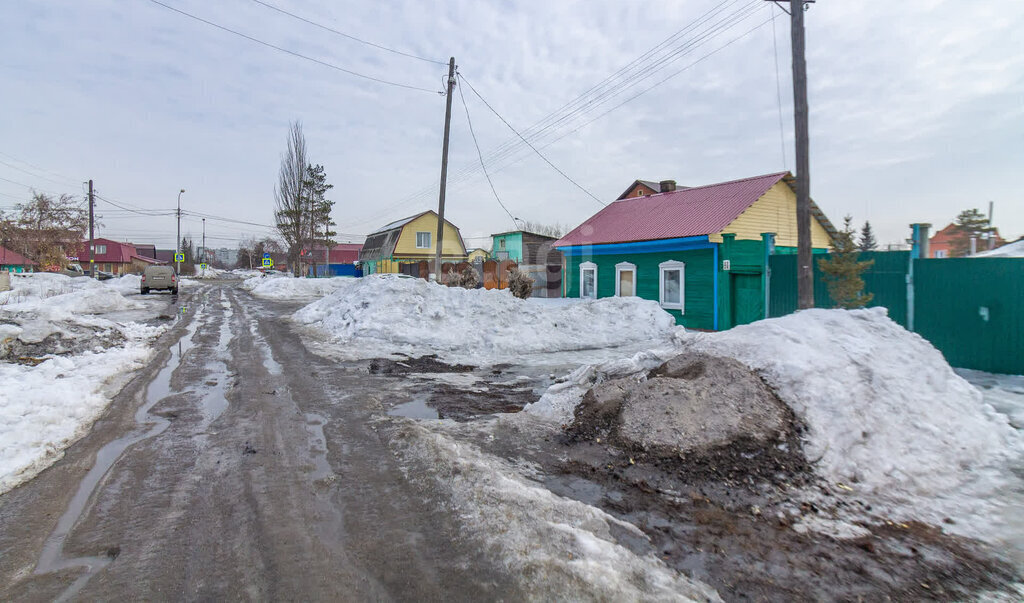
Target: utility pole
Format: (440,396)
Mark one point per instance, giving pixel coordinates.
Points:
(177,244)
(444,169)
(805,271)
(203,261)
(92,245)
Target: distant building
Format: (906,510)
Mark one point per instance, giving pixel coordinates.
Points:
(941,245)
(11,261)
(410,240)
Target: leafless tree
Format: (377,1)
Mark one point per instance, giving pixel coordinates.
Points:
(47,230)
(550,230)
(290,201)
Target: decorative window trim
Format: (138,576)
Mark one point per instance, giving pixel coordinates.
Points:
(669,266)
(585,266)
(418,246)
(619,269)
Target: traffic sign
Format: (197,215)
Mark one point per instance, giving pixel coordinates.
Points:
(266,256)
(203,266)
(179,257)
(268,263)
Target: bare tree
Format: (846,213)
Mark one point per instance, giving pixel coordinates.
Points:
(549,230)
(290,201)
(47,229)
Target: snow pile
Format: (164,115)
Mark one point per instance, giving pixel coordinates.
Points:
(129,284)
(57,296)
(287,287)
(45,408)
(559,548)
(886,414)
(1010,250)
(385,315)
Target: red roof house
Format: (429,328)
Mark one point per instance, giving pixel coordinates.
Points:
(345,253)
(12,261)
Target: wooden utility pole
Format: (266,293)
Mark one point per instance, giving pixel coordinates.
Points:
(444,168)
(805,270)
(92,245)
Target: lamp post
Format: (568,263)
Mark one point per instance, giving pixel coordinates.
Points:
(177,241)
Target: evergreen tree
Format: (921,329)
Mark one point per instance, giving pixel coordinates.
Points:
(842,272)
(969,223)
(867,238)
(318,209)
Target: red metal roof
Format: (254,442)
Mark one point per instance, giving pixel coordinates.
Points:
(690,212)
(345,253)
(115,252)
(9,257)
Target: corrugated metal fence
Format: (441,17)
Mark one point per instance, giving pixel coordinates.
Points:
(887,280)
(971,309)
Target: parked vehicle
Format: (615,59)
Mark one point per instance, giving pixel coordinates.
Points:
(100,274)
(159,277)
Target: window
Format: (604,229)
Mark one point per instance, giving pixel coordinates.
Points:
(940,253)
(101,249)
(422,240)
(501,243)
(588,280)
(672,285)
(625,279)
(640,193)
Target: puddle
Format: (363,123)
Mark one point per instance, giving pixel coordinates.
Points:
(51,558)
(318,446)
(414,409)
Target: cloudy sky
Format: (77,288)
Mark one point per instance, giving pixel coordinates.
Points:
(917,107)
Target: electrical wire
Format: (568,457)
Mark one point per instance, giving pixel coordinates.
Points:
(482,166)
(31,165)
(345,35)
(11,165)
(539,154)
(292,52)
(778,93)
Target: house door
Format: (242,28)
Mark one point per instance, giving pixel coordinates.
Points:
(747,298)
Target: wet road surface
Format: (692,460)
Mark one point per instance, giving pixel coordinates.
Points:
(236,465)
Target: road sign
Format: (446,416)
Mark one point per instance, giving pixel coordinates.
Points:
(268,263)
(179,257)
(266,256)
(203,266)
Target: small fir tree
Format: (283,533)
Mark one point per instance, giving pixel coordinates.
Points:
(867,238)
(969,223)
(842,272)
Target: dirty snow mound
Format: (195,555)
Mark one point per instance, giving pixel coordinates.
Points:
(288,288)
(387,314)
(886,414)
(128,284)
(560,548)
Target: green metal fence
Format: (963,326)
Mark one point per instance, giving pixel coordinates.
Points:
(886,279)
(973,310)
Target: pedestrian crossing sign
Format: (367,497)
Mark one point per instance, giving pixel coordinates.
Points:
(203,266)
(179,257)
(268,263)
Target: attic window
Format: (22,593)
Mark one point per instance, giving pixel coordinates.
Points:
(422,240)
(101,249)
(640,193)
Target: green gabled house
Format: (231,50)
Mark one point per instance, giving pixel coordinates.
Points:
(700,252)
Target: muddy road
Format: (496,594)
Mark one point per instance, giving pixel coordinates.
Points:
(236,465)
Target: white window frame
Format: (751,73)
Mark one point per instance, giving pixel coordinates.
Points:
(585,266)
(101,249)
(619,269)
(418,246)
(940,253)
(669,266)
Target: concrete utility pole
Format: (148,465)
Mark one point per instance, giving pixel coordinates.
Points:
(444,169)
(92,245)
(805,270)
(203,261)
(177,245)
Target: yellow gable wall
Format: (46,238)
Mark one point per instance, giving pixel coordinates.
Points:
(406,246)
(774,212)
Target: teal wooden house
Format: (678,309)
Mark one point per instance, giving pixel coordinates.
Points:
(700,252)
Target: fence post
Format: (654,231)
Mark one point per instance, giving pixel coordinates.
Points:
(768,240)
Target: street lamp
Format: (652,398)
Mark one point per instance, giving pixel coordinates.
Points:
(177,241)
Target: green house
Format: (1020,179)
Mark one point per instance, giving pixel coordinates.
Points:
(700,252)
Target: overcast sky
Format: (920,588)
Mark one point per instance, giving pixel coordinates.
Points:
(916,107)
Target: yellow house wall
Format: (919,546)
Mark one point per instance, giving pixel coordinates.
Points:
(477,253)
(774,212)
(452,246)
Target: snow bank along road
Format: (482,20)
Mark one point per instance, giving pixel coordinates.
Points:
(211,477)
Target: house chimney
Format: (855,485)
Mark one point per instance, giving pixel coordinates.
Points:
(667,186)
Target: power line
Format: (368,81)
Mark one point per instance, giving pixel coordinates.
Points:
(63,176)
(141,212)
(292,52)
(778,93)
(345,35)
(539,154)
(482,166)
(11,165)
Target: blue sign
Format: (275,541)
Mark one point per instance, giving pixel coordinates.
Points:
(266,256)
(268,263)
